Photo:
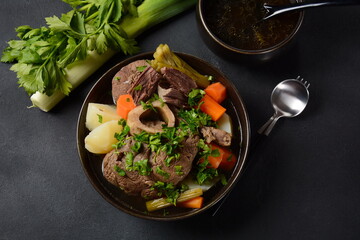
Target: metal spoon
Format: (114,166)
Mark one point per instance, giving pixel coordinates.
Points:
(289,98)
(272,11)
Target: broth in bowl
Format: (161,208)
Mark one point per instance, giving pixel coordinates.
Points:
(238,23)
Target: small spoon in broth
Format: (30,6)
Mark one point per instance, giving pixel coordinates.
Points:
(272,10)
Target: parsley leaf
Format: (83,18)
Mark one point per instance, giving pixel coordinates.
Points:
(138,87)
(141,68)
(195,96)
(167,189)
(143,167)
(162,172)
(100,118)
(120,171)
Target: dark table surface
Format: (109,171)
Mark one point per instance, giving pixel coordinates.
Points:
(306,187)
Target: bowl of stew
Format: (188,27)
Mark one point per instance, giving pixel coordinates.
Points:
(233,28)
(93,163)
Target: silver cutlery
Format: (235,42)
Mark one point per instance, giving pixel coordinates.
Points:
(289,98)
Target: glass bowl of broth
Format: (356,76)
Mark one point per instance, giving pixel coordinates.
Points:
(234,29)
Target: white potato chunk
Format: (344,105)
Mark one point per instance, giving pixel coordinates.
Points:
(224,123)
(192,184)
(101,139)
(100,113)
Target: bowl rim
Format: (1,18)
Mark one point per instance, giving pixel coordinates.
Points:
(238,170)
(199,9)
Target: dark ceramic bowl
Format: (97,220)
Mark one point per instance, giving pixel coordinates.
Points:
(223,49)
(92,163)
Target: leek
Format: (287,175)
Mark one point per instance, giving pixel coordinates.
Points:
(160,203)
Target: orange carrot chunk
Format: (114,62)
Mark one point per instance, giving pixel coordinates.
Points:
(216,160)
(217,91)
(229,160)
(212,108)
(124,105)
(196,202)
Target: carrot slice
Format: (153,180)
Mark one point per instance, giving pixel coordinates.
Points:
(216,161)
(229,160)
(212,108)
(196,202)
(124,105)
(217,91)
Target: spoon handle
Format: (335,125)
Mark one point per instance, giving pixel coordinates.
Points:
(275,10)
(268,126)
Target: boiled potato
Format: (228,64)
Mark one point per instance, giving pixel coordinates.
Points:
(98,114)
(101,139)
(224,123)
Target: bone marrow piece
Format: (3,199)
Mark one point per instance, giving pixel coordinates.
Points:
(137,125)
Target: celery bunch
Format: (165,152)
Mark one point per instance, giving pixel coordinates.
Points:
(51,61)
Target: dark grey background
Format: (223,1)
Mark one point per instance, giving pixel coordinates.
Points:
(306,182)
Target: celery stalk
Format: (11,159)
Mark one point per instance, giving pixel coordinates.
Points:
(160,203)
(76,73)
(150,13)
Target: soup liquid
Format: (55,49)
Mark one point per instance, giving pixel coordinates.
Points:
(237,23)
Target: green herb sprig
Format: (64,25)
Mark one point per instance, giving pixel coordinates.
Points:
(43,53)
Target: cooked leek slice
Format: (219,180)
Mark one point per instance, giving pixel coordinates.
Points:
(161,203)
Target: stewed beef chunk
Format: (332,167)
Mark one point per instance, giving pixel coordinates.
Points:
(214,134)
(179,80)
(144,85)
(123,80)
(175,170)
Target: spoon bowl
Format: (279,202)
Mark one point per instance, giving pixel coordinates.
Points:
(289,98)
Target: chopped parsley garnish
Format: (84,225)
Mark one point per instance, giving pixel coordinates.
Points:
(147,105)
(119,170)
(129,161)
(169,190)
(215,153)
(142,167)
(100,118)
(169,159)
(162,172)
(141,68)
(138,87)
(194,119)
(136,147)
(122,136)
(178,170)
(195,96)
(205,173)
(223,179)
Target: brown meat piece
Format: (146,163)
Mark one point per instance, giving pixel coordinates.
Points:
(214,134)
(178,80)
(172,96)
(178,169)
(122,81)
(144,85)
(132,183)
